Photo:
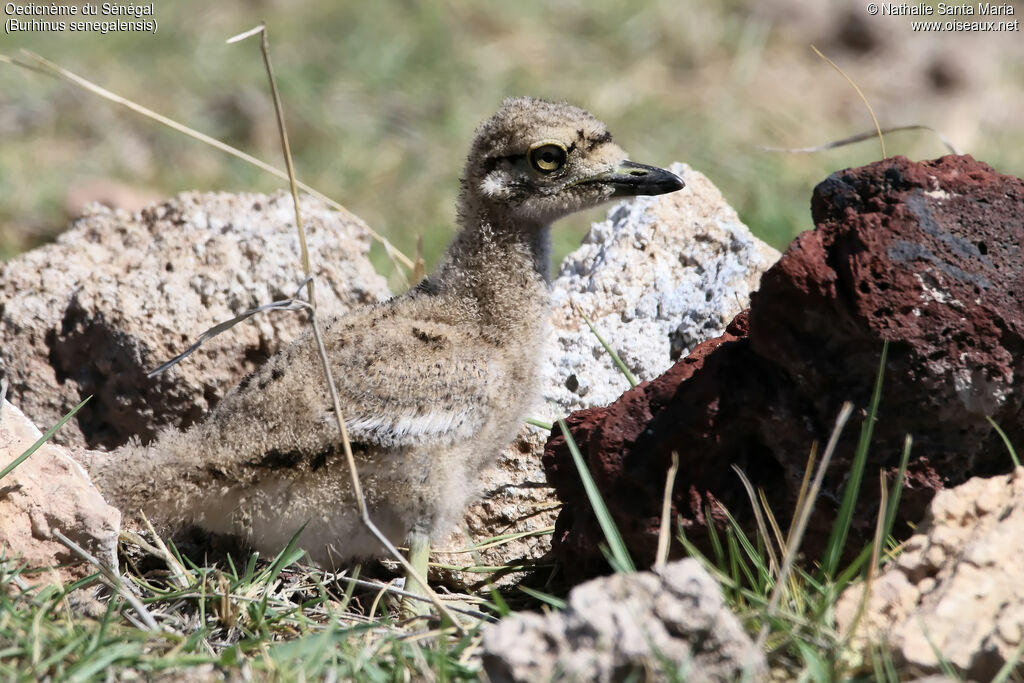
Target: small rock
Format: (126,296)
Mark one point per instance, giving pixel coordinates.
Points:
(957,589)
(646,625)
(50,492)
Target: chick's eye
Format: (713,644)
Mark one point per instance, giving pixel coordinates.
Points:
(547,158)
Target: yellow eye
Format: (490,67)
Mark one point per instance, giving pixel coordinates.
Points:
(547,157)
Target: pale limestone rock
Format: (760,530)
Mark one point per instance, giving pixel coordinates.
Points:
(956,589)
(646,625)
(50,492)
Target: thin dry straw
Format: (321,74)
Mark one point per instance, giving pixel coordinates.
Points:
(762,528)
(286,150)
(290,304)
(357,488)
(876,548)
(387,587)
(177,571)
(878,129)
(665,530)
(112,578)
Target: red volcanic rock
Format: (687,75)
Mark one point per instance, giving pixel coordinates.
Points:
(926,256)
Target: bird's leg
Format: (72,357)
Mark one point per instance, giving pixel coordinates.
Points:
(419,554)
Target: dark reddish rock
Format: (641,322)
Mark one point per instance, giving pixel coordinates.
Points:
(923,255)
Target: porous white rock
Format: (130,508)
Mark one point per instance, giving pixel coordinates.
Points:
(656,278)
(956,590)
(652,626)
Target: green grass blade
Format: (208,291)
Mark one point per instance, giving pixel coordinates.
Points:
(43,439)
(250,569)
(613,562)
(736,555)
(890,666)
(1006,441)
(713,538)
(604,518)
(232,569)
(546,598)
(815,663)
(88,669)
(611,352)
(539,423)
(878,667)
(897,486)
(1007,669)
(841,529)
(498,603)
(853,569)
(287,557)
(755,556)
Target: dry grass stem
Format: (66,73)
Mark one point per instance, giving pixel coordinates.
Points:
(357,488)
(860,137)
(762,528)
(177,571)
(772,521)
(419,269)
(665,529)
(392,590)
(114,581)
(805,485)
(878,128)
(292,304)
(876,553)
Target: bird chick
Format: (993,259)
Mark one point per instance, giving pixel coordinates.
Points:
(433,383)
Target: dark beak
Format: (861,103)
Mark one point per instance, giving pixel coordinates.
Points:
(631,179)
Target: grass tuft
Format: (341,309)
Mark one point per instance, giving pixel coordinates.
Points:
(790,601)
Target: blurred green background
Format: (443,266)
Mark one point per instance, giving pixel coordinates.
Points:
(382,99)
